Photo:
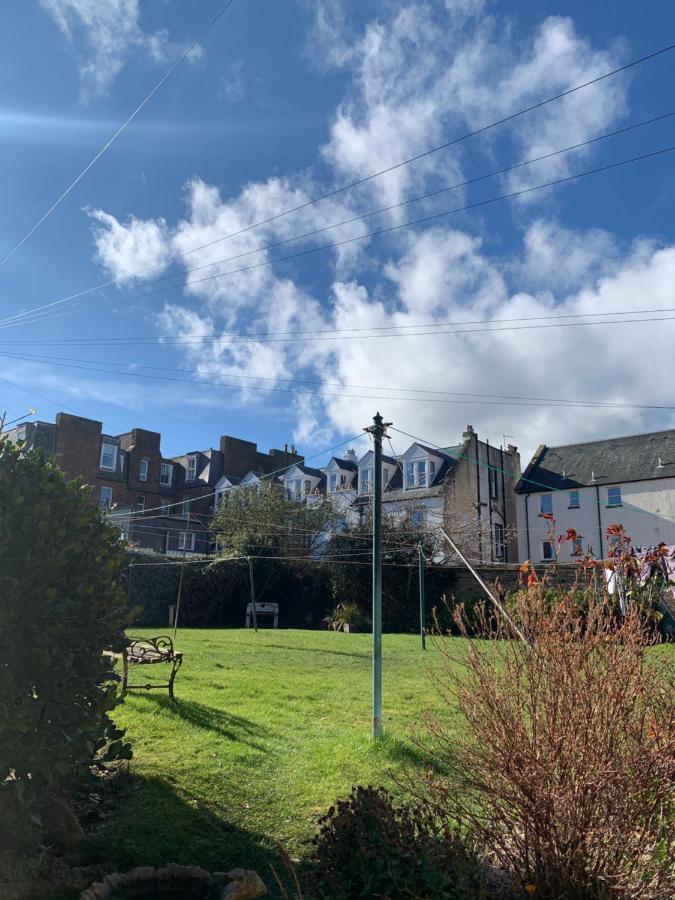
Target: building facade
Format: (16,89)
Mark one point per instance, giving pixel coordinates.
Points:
(160,503)
(628,481)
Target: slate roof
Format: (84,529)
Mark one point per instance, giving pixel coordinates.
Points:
(308,470)
(347,464)
(610,461)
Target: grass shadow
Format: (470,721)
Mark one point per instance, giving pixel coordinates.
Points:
(318,650)
(230,727)
(153,825)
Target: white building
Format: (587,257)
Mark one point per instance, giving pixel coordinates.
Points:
(628,481)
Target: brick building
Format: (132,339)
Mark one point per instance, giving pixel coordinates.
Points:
(158,502)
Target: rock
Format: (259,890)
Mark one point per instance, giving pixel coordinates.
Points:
(245,884)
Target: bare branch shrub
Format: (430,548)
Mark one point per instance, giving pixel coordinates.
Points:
(565,776)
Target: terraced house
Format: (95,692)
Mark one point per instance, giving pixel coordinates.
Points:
(467,488)
(161,503)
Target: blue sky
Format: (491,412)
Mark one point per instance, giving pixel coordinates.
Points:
(286,101)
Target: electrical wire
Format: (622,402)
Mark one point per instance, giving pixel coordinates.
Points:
(478,400)
(118,132)
(34,313)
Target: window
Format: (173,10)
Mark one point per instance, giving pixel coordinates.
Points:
(366,480)
(333,482)
(307,488)
(165,505)
(106,498)
(500,546)
(416,473)
(185,506)
(166,474)
(186,540)
(432,470)
(577,547)
(143,470)
(546,505)
(614,496)
(574,499)
(108,456)
(492,480)
(140,504)
(547,554)
(192,468)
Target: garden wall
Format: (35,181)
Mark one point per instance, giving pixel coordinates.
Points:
(214,593)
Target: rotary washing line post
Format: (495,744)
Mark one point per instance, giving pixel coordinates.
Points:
(377,430)
(420,552)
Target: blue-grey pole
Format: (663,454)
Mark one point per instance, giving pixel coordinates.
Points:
(377,432)
(422,610)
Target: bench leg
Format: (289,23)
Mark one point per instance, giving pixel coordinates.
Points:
(174,671)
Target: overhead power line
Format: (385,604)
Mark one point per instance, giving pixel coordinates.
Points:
(79,296)
(118,132)
(64,362)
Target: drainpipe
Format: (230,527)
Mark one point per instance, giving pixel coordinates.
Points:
(478,503)
(527,526)
(492,543)
(597,497)
(501,466)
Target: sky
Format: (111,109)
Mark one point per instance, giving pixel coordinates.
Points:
(282,103)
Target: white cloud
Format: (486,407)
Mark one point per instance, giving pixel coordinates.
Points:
(419,76)
(124,250)
(104,35)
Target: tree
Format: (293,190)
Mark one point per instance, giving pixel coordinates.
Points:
(62,606)
(259,520)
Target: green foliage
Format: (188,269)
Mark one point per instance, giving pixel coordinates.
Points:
(348,616)
(261,521)
(62,605)
(369,847)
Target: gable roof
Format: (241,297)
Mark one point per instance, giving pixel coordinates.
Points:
(609,461)
(306,470)
(348,465)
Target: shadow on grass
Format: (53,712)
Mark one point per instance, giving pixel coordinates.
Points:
(232,728)
(318,650)
(407,754)
(152,825)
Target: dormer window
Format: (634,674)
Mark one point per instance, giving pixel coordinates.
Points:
(166,474)
(108,456)
(333,483)
(191,468)
(416,473)
(366,478)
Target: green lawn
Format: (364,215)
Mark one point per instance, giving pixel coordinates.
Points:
(268,730)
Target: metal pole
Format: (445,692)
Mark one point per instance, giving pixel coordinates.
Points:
(377,430)
(422,610)
(250,571)
(180,591)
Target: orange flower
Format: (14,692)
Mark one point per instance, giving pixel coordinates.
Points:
(530,888)
(532,579)
(525,568)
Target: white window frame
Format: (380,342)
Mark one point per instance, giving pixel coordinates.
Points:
(163,469)
(143,469)
(421,473)
(165,504)
(545,500)
(185,506)
(410,475)
(616,489)
(333,482)
(366,479)
(432,471)
(115,450)
(106,504)
(183,540)
(500,542)
(570,504)
(544,557)
(191,469)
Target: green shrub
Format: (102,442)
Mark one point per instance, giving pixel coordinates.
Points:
(61,607)
(368,847)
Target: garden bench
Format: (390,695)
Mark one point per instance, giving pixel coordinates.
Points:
(263,609)
(150,651)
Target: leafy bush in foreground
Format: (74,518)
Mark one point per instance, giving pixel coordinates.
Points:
(565,776)
(61,607)
(368,847)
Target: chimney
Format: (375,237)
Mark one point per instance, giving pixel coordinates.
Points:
(468,432)
(511,448)
(285,448)
(350,454)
